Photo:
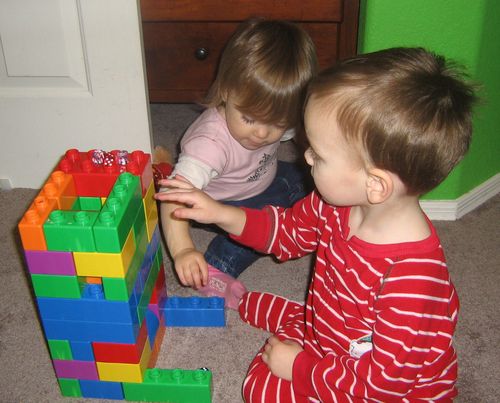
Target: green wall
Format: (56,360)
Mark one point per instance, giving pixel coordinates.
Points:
(466,31)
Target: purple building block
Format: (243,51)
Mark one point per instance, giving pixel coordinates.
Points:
(74,369)
(50,262)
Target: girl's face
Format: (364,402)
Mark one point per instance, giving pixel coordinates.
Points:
(336,166)
(247,131)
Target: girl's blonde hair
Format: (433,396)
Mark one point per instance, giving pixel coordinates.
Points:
(266,65)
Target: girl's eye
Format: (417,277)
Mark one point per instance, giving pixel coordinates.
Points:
(247,120)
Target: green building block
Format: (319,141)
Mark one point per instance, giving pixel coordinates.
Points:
(140,221)
(60,349)
(57,286)
(120,289)
(118,214)
(171,385)
(70,231)
(159,256)
(87,203)
(69,387)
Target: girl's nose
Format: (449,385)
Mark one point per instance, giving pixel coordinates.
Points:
(261,131)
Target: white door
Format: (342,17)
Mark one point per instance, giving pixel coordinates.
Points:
(71,76)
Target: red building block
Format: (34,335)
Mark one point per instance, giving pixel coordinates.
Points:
(159,290)
(140,164)
(93,178)
(90,179)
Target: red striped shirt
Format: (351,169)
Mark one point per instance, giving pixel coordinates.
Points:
(399,295)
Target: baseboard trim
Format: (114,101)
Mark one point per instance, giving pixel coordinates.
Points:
(450,210)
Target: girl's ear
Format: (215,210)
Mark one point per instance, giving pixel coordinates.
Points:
(379,185)
(224,96)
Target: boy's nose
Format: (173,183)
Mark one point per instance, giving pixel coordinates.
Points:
(308,157)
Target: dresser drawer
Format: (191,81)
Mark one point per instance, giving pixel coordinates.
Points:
(182,58)
(183,39)
(238,10)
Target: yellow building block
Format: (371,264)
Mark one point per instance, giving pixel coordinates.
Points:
(149,201)
(120,372)
(152,222)
(100,264)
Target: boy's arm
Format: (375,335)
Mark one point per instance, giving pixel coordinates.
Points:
(287,233)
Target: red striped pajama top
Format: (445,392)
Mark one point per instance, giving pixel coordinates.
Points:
(379,319)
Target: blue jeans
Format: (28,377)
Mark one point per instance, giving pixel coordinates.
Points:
(288,187)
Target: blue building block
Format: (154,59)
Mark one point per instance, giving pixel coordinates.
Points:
(82,350)
(90,331)
(153,246)
(194,312)
(147,291)
(92,307)
(101,389)
(152,324)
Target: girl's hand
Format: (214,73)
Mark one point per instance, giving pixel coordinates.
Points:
(280,355)
(191,268)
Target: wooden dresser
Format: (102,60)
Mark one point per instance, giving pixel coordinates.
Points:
(183,39)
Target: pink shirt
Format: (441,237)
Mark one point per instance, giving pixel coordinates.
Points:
(212,160)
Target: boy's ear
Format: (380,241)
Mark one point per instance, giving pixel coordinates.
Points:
(379,185)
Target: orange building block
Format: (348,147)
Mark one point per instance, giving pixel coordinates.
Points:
(60,187)
(31,225)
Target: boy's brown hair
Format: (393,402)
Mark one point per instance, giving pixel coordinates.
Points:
(267,64)
(408,108)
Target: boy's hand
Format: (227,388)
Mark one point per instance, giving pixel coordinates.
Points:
(280,355)
(201,207)
(191,268)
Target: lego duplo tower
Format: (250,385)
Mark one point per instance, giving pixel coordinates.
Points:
(93,253)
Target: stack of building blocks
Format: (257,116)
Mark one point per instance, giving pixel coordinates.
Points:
(93,251)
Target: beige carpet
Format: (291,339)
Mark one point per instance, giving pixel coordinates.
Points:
(471,245)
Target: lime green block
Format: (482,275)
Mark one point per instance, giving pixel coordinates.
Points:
(69,387)
(60,349)
(118,214)
(87,203)
(70,231)
(159,256)
(140,221)
(171,385)
(120,289)
(57,286)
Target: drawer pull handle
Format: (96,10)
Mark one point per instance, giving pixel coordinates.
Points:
(201,53)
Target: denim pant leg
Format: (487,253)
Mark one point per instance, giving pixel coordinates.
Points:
(288,187)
